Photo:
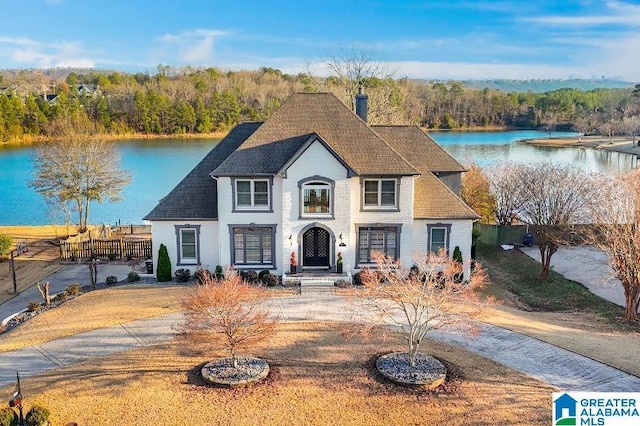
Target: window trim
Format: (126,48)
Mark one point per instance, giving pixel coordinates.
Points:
(360,226)
(379,206)
(268,208)
(271,265)
(181,259)
(332,186)
(447,238)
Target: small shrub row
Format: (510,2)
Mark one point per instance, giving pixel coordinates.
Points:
(36,416)
(112,279)
(133,277)
(183,275)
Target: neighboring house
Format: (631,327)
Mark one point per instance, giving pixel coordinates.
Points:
(315,179)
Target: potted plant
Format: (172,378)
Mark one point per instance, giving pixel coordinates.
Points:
(293,263)
(339,263)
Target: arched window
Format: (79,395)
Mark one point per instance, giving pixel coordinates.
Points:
(316,197)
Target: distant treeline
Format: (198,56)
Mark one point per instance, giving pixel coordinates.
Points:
(193,100)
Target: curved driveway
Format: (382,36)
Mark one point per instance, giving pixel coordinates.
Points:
(555,366)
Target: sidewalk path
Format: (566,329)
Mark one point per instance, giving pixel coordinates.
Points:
(586,265)
(553,365)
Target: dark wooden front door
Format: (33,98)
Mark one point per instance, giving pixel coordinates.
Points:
(316,247)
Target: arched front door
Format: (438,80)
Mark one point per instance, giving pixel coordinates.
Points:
(315,245)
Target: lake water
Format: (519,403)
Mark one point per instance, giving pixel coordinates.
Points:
(156,166)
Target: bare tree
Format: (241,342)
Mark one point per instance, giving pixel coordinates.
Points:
(504,190)
(476,192)
(617,215)
(427,297)
(631,127)
(228,314)
(44,292)
(80,171)
(354,68)
(554,197)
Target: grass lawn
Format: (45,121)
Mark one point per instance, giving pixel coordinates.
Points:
(317,378)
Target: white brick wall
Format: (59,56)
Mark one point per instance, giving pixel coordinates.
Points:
(460,236)
(163,232)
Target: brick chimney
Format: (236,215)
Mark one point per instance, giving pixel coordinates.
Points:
(361,105)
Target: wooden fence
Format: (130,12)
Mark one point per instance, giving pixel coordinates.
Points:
(106,249)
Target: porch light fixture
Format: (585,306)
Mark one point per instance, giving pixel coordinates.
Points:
(290,239)
(342,244)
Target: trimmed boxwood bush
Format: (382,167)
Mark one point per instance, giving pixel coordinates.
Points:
(163,272)
(133,276)
(37,416)
(250,276)
(263,273)
(183,274)
(219,272)
(8,417)
(270,280)
(112,279)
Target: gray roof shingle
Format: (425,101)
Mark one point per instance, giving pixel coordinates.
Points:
(196,196)
(303,114)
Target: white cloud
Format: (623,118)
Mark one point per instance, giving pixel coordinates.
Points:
(192,47)
(32,53)
(617,13)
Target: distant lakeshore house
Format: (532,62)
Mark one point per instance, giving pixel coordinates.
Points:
(315,179)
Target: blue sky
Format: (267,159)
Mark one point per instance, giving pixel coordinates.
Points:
(449,39)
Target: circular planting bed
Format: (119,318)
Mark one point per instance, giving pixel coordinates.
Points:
(221,372)
(428,371)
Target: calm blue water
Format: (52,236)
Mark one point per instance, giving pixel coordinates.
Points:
(156,166)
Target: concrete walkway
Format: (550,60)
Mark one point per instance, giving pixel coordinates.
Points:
(586,265)
(557,367)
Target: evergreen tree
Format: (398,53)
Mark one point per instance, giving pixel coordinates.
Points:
(163,270)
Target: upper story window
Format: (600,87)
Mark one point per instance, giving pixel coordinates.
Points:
(252,194)
(316,197)
(380,194)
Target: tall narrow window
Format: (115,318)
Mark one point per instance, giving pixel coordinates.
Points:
(253,245)
(439,235)
(187,239)
(251,194)
(380,194)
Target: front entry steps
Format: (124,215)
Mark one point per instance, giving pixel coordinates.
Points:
(315,282)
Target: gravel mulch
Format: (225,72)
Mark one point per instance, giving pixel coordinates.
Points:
(222,372)
(428,371)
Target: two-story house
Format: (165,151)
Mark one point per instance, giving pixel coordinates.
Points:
(315,180)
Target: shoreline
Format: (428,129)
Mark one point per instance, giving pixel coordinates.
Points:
(618,144)
(29,140)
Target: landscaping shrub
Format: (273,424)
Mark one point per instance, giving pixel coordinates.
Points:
(219,272)
(73,289)
(250,276)
(111,280)
(263,273)
(8,417)
(457,257)
(37,416)
(33,306)
(270,280)
(133,277)
(112,256)
(61,297)
(183,275)
(5,244)
(163,272)
(202,275)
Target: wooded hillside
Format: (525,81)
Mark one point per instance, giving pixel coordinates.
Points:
(39,104)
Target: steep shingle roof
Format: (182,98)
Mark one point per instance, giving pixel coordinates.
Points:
(196,196)
(432,198)
(419,148)
(303,114)
(435,200)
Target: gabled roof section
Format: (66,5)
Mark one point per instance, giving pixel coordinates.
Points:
(196,196)
(435,200)
(421,150)
(268,149)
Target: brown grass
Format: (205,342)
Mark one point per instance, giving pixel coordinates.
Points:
(94,310)
(317,378)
